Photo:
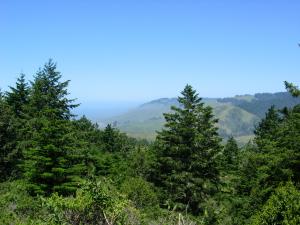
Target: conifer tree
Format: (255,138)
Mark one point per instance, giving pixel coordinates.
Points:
(18,96)
(49,94)
(109,138)
(88,132)
(267,128)
(288,144)
(186,153)
(17,99)
(230,154)
(115,141)
(53,158)
(276,158)
(7,139)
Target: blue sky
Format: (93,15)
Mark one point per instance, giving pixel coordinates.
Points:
(142,50)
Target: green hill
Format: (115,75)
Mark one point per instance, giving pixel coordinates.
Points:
(237,115)
(259,103)
(144,121)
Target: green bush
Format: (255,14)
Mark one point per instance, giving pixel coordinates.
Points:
(140,192)
(17,206)
(283,207)
(97,202)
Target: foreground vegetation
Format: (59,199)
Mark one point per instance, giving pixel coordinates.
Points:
(57,169)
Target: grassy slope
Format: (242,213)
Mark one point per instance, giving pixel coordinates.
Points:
(143,122)
(237,116)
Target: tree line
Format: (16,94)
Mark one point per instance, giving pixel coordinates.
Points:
(60,169)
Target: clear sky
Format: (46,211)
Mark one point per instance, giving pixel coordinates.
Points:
(123,50)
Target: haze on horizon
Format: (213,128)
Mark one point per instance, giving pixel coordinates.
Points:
(137,51)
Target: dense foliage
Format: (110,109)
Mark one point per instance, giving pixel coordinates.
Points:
(57,168)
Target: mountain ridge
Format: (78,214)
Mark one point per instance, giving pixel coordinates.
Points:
(237,115)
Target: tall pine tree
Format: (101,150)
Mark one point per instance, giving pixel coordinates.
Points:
(53,157)
(186,153)
(17,99)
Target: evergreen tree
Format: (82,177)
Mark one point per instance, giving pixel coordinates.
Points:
(262,166)
(88,132)
(109,138)
(288,144)
(230,154)
(267,128)
(18,96)
(89,135)
(53,156)
(275,159)
(114,141)
(17,99)
(49,94)
(186,153)
(7,139)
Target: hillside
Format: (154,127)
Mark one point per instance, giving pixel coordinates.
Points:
(237,115)
(259,103)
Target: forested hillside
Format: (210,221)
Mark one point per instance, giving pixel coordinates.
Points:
(237,116)
(60,169)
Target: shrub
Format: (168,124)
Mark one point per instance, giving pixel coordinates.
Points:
(17,206)
(140,192)
(283,207)
(97,202)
